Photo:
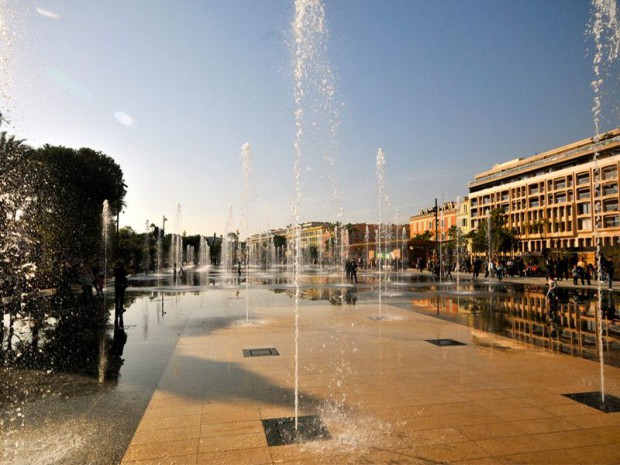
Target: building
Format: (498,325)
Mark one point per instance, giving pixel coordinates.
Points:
(426,221)
(552,199)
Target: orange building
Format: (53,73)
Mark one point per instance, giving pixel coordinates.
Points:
(437,222)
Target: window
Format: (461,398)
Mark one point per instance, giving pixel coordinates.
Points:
(560,184)
(535,202)
(610,172)
(584,224)
(583,194)
(610,189)
(610,205)
(583,208)
(611,221)
(583,178)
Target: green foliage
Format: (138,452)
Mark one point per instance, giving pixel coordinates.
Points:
(75,185)
(425,236)
(500,238)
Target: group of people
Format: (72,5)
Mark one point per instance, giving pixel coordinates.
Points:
(585,272)
(350,269)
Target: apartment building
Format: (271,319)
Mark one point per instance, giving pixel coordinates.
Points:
(438,225)
(561,199)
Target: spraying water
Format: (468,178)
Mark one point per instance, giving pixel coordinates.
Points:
(246,159)
(383,202)
(313,95)
(606,34)
(105,242)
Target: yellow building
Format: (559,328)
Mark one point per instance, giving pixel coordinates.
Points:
(552,199)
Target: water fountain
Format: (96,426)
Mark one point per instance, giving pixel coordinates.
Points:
(605,31)
(246,159)
(381,236)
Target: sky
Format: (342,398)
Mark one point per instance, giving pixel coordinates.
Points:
(173,90)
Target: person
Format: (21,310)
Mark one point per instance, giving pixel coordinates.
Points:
(575,272)
(98,274)
(589,273)
(477,266)
(86,281)
(610,270)
(239,271)
(581,268)
(120,284)
(354,271)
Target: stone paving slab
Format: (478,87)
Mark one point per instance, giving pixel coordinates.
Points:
(385,394)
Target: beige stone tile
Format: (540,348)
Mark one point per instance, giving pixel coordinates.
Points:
(253,456)
(230,442)
(166,434)
(450,452)
(596,455)
(444,409)
(161,450)
(512,445)
(609,433)
(523,413)
(549,457)
(481,461)
(231,428)
(568,439)
(544,425)
(172,411)
(159,422)
(597,419)
(178,460)
(433,436)
(490,431)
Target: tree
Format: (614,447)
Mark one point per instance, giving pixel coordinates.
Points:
(499,239)
(76,183)
(425,236)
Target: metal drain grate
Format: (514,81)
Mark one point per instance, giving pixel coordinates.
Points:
(445,342)
(281,431)
(593,399)
(260,352)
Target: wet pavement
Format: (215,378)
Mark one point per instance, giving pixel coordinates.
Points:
(182,391)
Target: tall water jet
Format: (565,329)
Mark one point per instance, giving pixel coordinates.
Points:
(383,203)
(313,94)
(246,159)
(105,243)
(147,229)
(606,35)
(367,242)
(105,237)
(458,246)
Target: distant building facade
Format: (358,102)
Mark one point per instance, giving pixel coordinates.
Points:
(438,225)
(561,199)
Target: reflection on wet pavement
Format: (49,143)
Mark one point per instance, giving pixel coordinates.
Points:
(75,389)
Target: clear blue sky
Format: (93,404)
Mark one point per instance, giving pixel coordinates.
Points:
(173,89)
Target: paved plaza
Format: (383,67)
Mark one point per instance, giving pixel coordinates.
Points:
(386,395)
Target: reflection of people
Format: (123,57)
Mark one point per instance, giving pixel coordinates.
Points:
(120,284)
(608,307)
(116,351)
(120,338)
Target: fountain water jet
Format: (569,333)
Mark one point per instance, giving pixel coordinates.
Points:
(246,158)
(606,34)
